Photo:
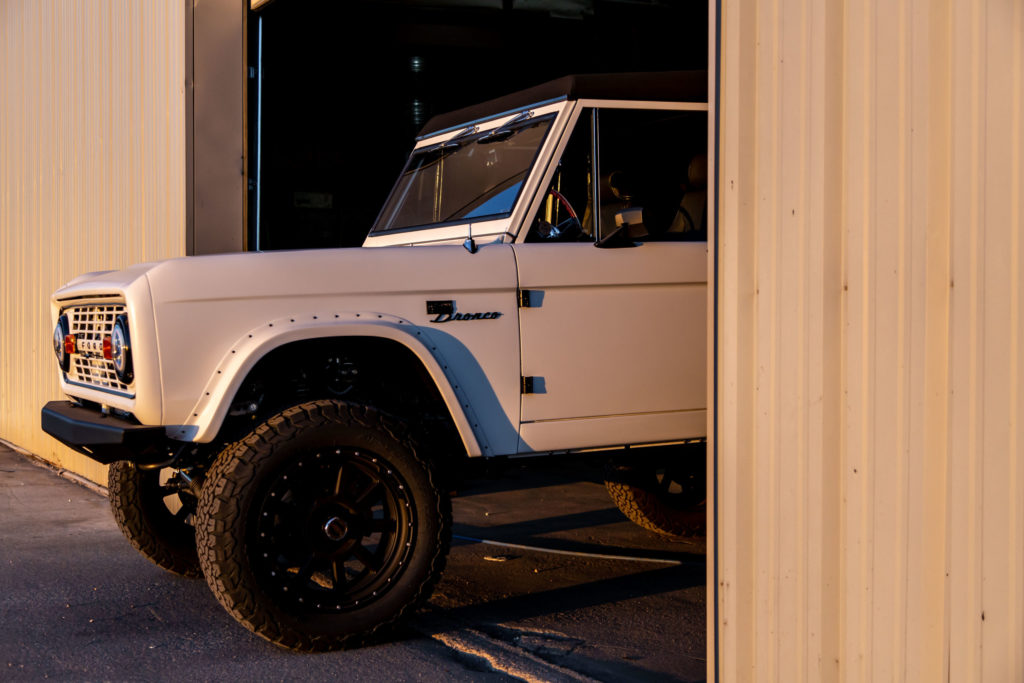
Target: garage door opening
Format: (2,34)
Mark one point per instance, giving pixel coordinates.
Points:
(331,118)
(330,126)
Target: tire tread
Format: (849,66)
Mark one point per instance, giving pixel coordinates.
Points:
(643,508)
(237,468)
(126,503)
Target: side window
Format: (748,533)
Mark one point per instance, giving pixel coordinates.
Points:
(566,215)
(655,161)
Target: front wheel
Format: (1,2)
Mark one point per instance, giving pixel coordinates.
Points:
(153,509)
(323,527)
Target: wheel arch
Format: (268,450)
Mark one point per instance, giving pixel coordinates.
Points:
(211,409)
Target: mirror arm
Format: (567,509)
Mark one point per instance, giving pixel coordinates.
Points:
(620,236)
(616,239)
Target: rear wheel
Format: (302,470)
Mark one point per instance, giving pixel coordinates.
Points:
(323,527)
(154,508)
(665,495)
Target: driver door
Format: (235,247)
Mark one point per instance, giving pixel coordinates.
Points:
(613,339)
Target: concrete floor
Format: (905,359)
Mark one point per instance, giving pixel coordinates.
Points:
(78,603)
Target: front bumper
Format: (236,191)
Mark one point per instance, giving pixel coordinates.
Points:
(105,438)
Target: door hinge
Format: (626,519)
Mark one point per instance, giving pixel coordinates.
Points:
(526,298)
(527,385)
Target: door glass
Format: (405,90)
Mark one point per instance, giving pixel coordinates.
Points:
(656,161)
(567,212)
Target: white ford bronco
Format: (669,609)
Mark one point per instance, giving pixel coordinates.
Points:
(287,423)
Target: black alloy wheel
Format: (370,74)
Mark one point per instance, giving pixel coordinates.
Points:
(324,527)
(678,485)
(333,530)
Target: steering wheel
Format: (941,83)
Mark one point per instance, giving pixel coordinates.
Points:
(563,201)
(567,229)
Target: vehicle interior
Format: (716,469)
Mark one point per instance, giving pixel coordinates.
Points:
(651,161)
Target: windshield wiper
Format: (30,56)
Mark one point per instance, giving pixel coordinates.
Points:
(451,143)
(505,130)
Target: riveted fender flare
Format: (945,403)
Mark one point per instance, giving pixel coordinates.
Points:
(213,404)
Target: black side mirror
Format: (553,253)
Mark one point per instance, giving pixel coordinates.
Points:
(629,225)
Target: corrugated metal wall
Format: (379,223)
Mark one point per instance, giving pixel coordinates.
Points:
(871,479)
(92,173)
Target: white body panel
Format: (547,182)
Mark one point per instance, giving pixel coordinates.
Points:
(131,287)
(613,335)
(616,338)
(206,308)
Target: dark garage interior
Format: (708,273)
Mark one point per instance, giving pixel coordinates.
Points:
(339,90)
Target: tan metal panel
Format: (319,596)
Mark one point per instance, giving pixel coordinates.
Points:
(92,155)
(986,531)
(871,522)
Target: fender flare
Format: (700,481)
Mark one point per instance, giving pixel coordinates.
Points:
(212,406)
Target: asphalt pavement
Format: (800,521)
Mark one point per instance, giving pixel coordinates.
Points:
(588,596)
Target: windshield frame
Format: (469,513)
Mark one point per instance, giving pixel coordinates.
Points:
(470,135)
(497,226)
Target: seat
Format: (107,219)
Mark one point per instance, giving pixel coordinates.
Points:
(615,194)
(690,220)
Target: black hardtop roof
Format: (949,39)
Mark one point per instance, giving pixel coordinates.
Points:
(663,86)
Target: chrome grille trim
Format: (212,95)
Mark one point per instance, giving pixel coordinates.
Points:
(90,323)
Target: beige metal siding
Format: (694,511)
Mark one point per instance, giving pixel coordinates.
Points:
(92,171)
(871,480)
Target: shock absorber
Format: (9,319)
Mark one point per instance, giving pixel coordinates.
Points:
(194,485)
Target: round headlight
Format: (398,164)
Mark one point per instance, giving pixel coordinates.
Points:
(60,333)
(121,350)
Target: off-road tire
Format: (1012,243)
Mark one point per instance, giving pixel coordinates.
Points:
(650,495)
(137,501)
(254,526)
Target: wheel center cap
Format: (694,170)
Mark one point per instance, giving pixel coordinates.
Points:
(335,528)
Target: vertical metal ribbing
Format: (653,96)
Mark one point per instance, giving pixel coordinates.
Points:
(869,341)
(92,154)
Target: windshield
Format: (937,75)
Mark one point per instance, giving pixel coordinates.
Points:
(472,176)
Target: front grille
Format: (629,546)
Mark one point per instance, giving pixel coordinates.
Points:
(90,324)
